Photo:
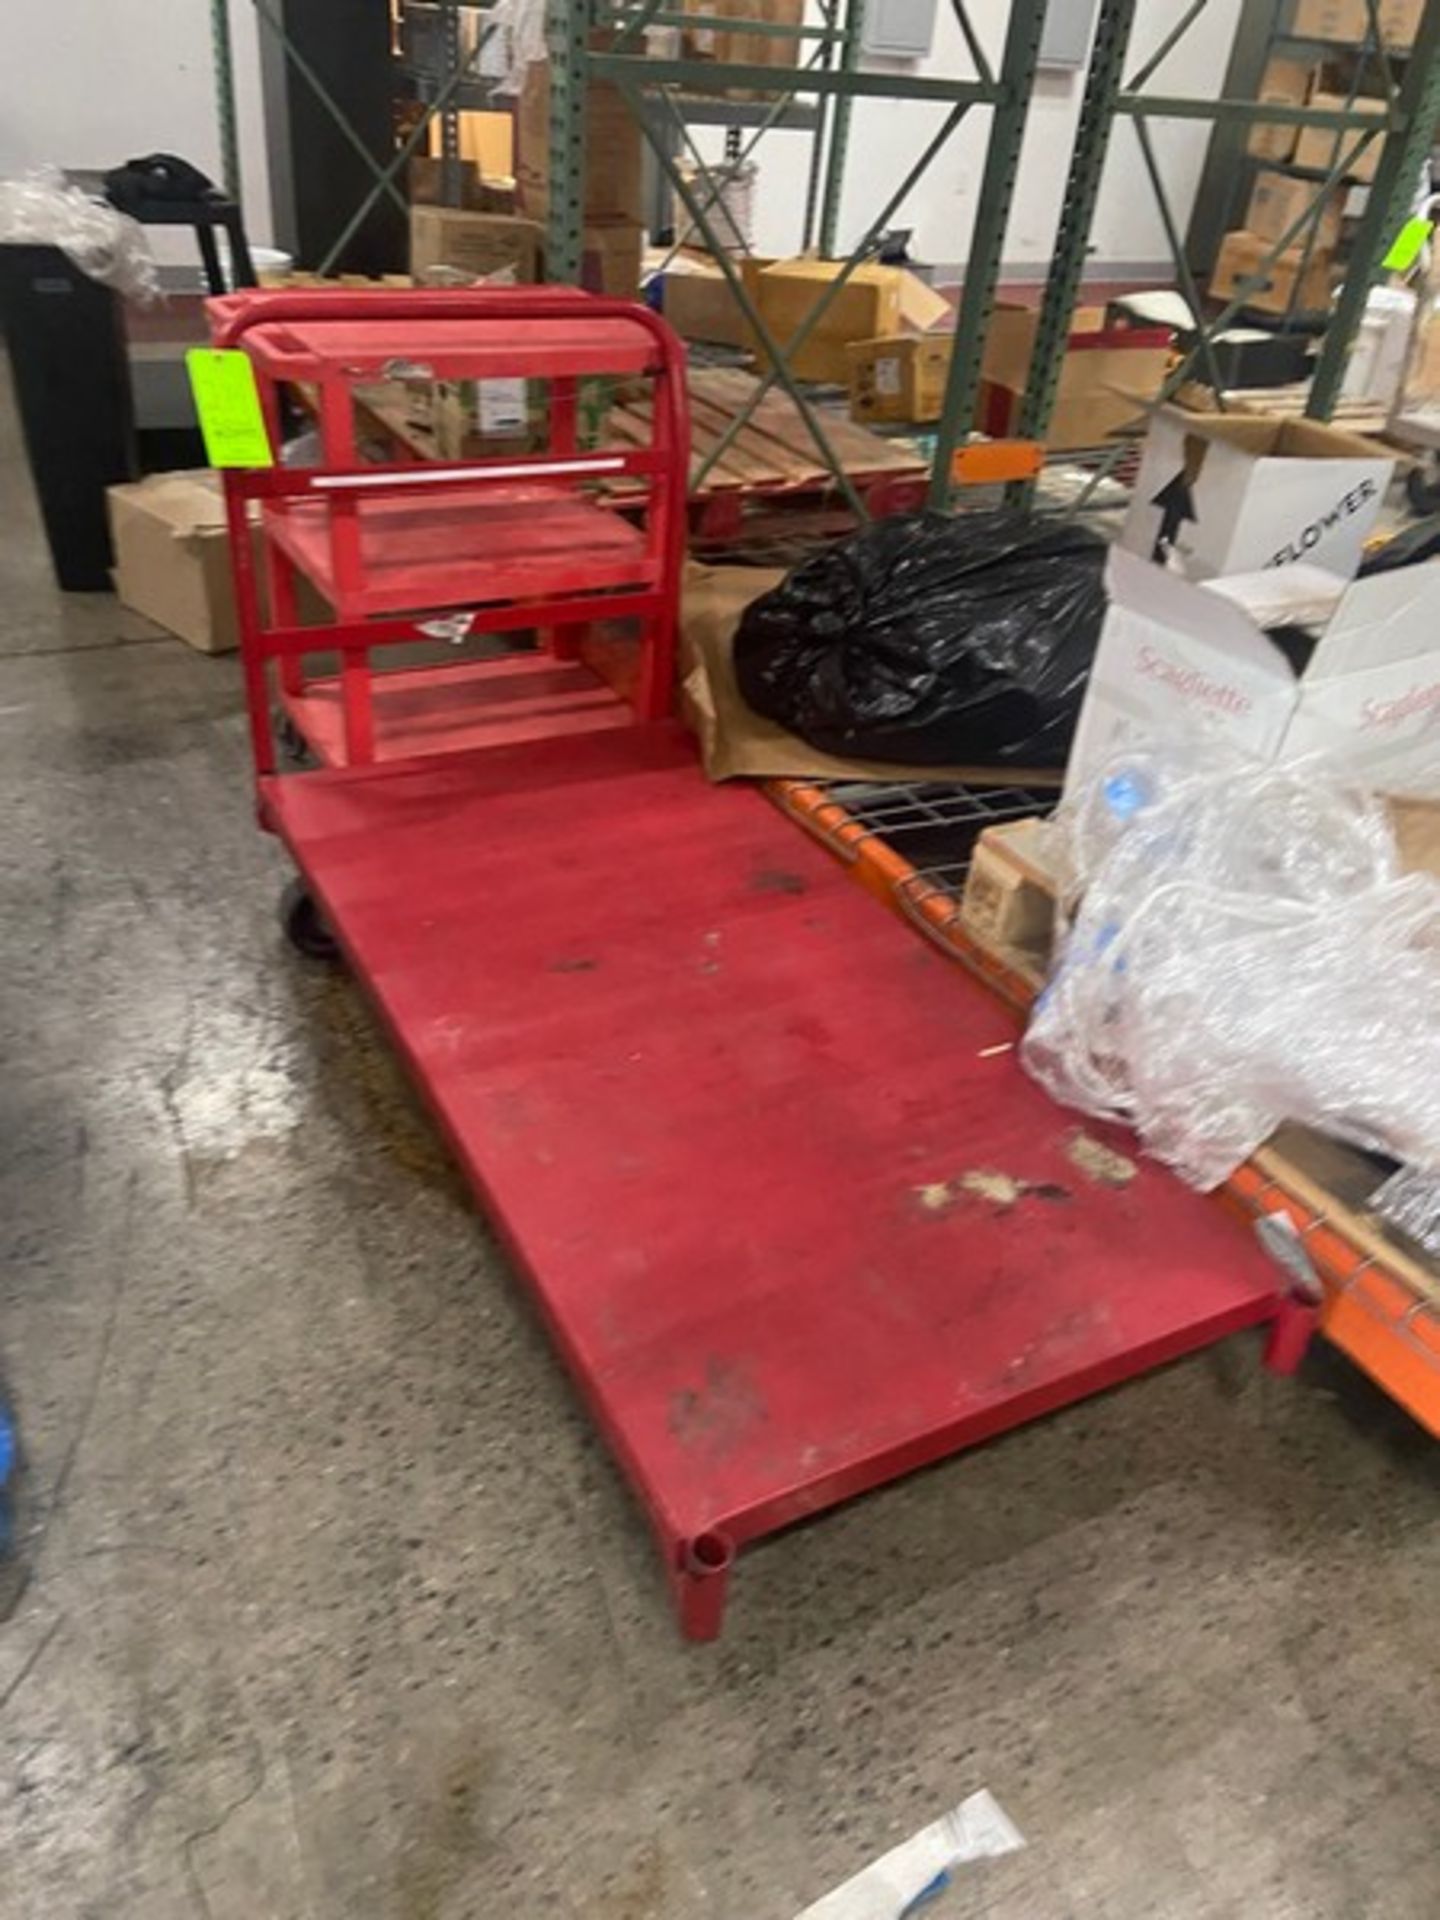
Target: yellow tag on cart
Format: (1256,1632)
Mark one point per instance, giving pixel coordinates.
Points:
(228,404)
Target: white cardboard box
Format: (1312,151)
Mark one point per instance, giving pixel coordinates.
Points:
(1236,494)
(1176,660)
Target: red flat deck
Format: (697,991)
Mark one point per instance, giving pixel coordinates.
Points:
(477,544)
(474,703)
(797,1219)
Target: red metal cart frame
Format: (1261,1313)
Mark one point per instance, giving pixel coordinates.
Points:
(796,1220)
(491,544)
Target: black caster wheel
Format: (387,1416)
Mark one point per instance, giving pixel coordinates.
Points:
(1422,490)
(305,926)
(290,744)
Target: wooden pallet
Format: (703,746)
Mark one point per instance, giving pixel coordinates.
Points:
(771,477)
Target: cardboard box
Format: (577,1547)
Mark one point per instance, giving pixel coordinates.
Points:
(480,244)
(473,419)
(610,255)
(735,47)
(487,138)
(874,300)
(614,182)
(1240,262)
(1010,339)
(899,378)
(696,299)
(1287,82)
(1345,21)
(1348,21)
(1009,897)
(427,183)
(1174,660)
(1229,494)
(1400,21)
(1278,200)
(172,556)
(1105,377)
(1321,147)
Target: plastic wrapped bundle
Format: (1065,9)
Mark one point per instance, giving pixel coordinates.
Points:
(41,208)
(1244,951)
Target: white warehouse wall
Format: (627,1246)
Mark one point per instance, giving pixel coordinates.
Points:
(91,83)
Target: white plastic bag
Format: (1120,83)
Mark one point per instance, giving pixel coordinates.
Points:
(43,209)
(1244,951)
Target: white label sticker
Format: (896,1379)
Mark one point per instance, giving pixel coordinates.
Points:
(501,406)
(887,376)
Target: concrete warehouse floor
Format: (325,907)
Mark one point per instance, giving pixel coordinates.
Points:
(332,1607)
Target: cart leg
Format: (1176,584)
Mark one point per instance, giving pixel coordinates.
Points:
(564,643)
(700,1581)
(655,694)
(1290,1333)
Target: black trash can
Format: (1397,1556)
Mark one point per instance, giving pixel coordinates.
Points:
(66,339)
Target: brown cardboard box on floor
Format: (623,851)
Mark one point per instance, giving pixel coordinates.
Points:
(475,243)
(1277,201)
(874,300)
(172,556)
(614,182)
(1239,259)
(1320,147)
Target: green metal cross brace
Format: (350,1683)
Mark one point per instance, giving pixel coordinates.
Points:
(832,289)
(700,219)
(322,94)
(454,81)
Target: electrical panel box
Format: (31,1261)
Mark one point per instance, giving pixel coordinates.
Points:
(1065,40)
(899,29)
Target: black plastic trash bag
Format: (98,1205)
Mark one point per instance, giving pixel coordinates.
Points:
(932,641)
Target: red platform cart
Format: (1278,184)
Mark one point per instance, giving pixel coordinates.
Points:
(795,1218)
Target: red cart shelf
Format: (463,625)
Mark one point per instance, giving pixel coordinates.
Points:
(403,553)
(476,704)
(472,547)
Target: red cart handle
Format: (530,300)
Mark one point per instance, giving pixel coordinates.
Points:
(234,314)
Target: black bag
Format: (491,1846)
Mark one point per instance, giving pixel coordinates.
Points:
(933,641)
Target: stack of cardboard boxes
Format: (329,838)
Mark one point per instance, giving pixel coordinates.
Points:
(503,232)
(1280,196)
